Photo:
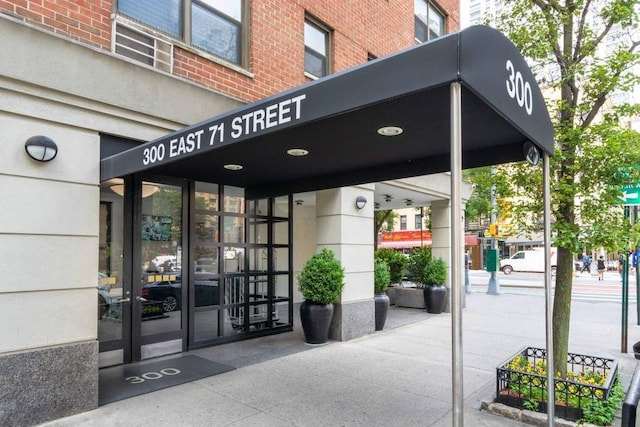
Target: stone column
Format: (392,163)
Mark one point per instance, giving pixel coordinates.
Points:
(347,231)
(441,240)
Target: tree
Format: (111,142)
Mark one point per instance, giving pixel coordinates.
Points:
(584,53)
(384,223)
(479,204)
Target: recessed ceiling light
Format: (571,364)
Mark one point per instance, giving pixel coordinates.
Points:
(297,152)
(390,131)
(233,167)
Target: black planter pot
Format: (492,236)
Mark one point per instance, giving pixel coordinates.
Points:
(382,308)
(434,297)
(316,319)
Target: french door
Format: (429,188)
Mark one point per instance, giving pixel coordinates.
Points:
(140,292)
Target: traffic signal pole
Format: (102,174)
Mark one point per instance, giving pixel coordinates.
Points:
(494,284)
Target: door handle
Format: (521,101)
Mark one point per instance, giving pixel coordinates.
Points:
(141,299)
(124,300)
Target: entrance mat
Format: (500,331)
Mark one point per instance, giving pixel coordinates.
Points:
(125,381)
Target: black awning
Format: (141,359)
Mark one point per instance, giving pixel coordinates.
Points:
(336,120)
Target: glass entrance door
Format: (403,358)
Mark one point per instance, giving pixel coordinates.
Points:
(159,297)
(114,285)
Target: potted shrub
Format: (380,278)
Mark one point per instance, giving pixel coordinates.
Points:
(397,263)
(381,280)
(320,282)
(435,275)
(413,296)
(418,260)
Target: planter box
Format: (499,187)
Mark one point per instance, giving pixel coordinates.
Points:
(409,297)
(391,293)
(514,387)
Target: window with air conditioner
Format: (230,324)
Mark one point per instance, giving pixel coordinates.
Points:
(217,27)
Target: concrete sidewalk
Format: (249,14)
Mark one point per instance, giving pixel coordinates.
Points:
(398,376)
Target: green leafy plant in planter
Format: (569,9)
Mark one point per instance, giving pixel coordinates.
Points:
(396,261)
(321,282)
(435,276)
(418,260)
(381,280)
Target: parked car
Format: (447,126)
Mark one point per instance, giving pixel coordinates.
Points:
(167,291)
(170,291)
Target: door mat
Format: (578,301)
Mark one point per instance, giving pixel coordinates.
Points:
(125,381)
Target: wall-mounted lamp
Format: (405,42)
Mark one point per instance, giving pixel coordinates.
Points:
(408,202)
(361,202)
(299,202)
(41,148)
(387,197)
(531,153)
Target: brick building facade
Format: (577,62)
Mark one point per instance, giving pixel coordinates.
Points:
(360,30)
(97,77)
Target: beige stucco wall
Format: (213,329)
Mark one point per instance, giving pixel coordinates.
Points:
(349,233)
(49,220)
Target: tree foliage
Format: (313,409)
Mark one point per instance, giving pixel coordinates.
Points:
(584,54)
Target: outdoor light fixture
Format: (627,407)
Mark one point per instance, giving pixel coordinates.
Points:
(41,148)
(390,131)
(147,189)
(299,202)
(360,202)
(376,205)
(408,202)
(297,152)
(531,153)
(387,197)
(233,167)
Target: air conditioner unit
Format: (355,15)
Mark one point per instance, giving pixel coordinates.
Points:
(143,47)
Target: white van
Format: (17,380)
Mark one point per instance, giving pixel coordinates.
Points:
(532,261)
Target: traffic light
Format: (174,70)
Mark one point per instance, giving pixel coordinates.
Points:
(493,230)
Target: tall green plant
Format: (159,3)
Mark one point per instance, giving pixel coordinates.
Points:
(418,261)
(381,276)
(396,261)
(322,278)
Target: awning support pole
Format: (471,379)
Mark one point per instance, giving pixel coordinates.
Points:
(547,289)
(456,254)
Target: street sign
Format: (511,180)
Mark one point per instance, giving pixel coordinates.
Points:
(631,196)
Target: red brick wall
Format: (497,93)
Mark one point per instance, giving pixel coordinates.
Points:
(276,50)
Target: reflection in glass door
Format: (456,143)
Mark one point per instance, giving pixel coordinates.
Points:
(114,291)
(159,297)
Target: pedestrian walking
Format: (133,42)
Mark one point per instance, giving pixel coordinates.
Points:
(601,267)
(586,263)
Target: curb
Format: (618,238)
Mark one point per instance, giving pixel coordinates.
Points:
(526,416)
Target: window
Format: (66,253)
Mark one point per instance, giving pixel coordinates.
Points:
(429,21)
(418,224)
(216,26)
(317,45)
(403,222)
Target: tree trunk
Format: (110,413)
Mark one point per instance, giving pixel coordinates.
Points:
(562,310)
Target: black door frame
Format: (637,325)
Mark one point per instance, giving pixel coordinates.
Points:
(137,339)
